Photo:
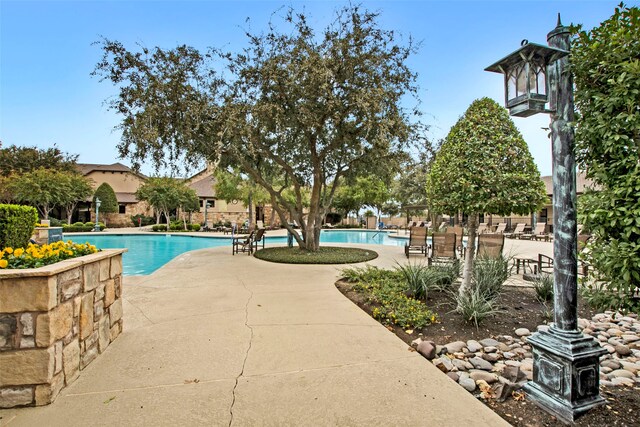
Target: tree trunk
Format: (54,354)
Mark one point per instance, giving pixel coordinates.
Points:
(470,254)
(250,207)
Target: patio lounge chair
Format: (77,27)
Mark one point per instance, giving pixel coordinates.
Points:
(490,245)
(538,232)
(501,228)
(517,232)
(242,243)
(417,241)
(483,227)
(443,248)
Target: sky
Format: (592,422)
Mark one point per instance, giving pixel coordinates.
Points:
(48,97)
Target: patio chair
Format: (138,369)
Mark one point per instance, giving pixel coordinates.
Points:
(490,245)
(483,227)
(501,228)
(545,263)
(417,241)
(242,243)
(539,232)
(257,239)
(459,232)
(517,232)
(443,248)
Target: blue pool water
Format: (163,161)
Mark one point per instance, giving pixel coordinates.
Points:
(147,253)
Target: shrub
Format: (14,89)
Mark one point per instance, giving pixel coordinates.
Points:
(387,289)
(420,278)
(16,225)
(108,199)
(55,222)
(35,256)
(144,220)
(78,224)
(449,274)
(159,227)
(90,224)
(194,227)
(543,285)
(475,305)
(489,275)
(76,229)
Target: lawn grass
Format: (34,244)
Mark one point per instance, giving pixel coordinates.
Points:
(324,255)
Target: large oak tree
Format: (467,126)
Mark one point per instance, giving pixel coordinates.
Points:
(297,110)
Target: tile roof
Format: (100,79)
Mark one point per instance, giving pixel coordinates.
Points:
(86,168)
(204,187)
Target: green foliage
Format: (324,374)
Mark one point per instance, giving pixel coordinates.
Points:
(74,189)
(19,160)
(387,290)
(194,227)
(420,279)
(480,301)
(42,188)
(108,200)
(324,255)
(475,305)
(165,194)
(601,296)
(606,72)
(145,220)
(159,227)
(484,166)
(489,275)
(16,225)
(298,109)
(543,285)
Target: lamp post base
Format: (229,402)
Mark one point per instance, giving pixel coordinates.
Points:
(565,373)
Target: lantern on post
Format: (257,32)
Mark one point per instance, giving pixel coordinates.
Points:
(525,77)
(565,362)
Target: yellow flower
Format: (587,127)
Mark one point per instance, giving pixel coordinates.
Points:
(8,250)
(18,252)
(3,263)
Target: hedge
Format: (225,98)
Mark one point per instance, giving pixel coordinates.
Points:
(17,223)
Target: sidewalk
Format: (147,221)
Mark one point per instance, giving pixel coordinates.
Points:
(216,339)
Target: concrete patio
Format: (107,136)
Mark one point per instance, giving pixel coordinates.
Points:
(216,339)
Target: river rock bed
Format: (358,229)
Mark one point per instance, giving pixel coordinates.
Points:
(499,366)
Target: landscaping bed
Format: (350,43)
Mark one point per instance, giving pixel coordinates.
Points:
(324,255)
(519,310)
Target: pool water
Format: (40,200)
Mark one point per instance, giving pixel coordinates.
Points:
(148,252)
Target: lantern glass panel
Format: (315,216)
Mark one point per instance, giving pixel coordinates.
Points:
(511,84)
(542,83)
(521,81)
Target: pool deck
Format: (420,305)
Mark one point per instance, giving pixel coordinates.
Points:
(216,339)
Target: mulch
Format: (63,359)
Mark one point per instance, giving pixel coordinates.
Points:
(520,309)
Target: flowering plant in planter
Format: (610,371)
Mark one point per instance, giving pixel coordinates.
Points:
(34,256)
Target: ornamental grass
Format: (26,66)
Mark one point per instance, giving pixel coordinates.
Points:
(34,256)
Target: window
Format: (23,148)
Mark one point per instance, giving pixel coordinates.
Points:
(122,208)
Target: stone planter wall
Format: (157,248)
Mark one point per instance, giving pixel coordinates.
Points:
(54,321)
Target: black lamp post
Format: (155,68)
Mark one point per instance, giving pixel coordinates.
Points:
(565,362)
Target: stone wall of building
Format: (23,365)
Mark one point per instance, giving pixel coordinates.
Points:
(54,321)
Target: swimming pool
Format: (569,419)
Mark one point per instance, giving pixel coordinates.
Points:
(148,252)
